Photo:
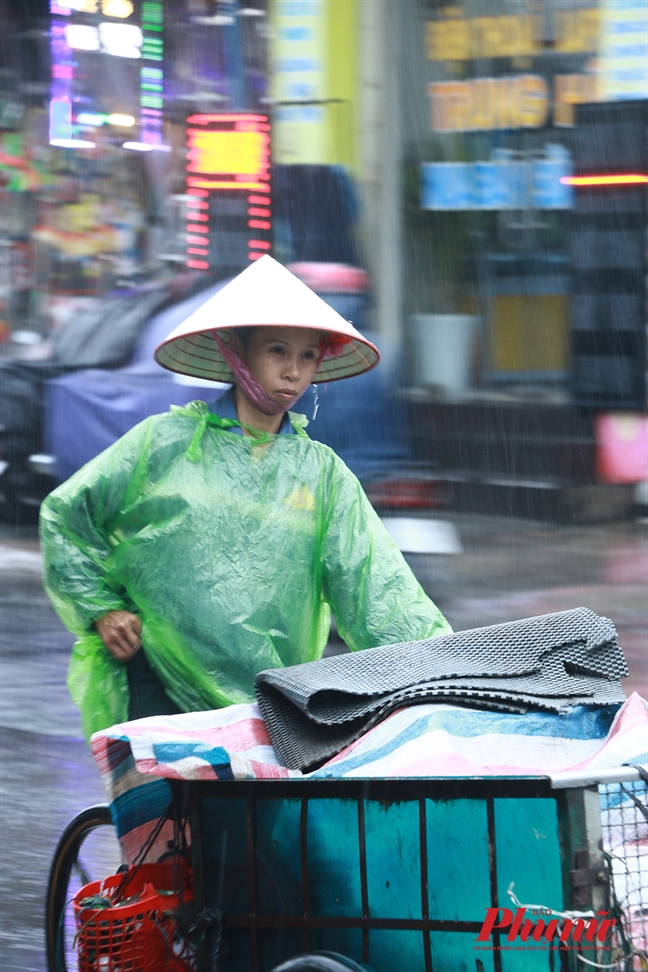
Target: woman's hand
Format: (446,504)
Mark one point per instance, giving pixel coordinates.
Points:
(121,633)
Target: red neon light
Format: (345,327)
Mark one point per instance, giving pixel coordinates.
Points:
(630,179)
(228,152)
(264,175)
(198,264)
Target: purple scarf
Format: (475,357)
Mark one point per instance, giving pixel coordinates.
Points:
(246,380)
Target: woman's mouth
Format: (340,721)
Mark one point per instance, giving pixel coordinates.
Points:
(286,394)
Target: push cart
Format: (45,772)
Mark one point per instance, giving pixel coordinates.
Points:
(427,875)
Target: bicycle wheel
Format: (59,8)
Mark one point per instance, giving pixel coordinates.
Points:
(321,962)
(88,850)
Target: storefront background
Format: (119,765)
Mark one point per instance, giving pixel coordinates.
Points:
(423,141)
(489,108)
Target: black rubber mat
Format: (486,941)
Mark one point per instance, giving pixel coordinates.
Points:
(551,663)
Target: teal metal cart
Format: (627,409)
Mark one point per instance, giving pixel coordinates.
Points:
(397,874)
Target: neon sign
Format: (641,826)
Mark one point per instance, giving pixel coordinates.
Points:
(629,179)
(152,78)
(73,42)
(63,65)
(228,158)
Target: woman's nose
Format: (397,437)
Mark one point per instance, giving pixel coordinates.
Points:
(291,369)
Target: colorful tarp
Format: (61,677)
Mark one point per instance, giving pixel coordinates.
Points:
(431,740)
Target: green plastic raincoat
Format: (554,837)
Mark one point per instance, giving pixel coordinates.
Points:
(230,549)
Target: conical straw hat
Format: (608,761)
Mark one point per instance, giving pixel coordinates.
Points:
(265,294)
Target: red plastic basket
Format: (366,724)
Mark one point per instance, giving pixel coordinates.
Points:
(137,933)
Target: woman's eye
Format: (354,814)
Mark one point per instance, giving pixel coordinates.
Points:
(277,350)
(309,355)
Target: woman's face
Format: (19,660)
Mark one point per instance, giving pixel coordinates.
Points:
(283,360)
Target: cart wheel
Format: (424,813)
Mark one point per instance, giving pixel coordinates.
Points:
(87,851)
(321,962)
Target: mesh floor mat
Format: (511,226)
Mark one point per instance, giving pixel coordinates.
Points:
(552,662)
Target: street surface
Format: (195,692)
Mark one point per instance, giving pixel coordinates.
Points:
(510,569)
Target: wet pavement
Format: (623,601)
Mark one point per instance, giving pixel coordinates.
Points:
(509,569)
(46,771)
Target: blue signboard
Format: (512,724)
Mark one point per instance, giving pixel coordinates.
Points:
(504,182)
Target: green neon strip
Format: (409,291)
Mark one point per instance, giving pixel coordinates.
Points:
(151,101)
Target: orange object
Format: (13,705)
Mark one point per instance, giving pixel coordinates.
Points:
(130,927)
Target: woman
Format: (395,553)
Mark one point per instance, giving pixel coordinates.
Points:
(210,543)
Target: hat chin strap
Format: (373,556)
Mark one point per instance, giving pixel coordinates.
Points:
(246,380)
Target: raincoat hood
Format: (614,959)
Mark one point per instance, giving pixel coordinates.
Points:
(265,294)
